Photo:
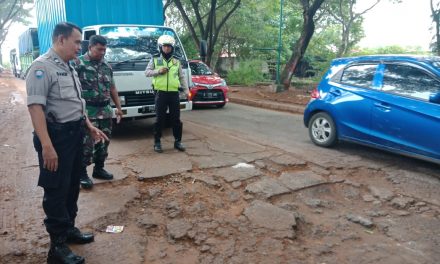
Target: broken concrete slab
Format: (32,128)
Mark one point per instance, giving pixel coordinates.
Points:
(231,174)
(160,165)
(214,161)
(268,187)
(268,216)
(301,179)
(178,228)
(288,160)
(382,193)
(366,222)
(100,202)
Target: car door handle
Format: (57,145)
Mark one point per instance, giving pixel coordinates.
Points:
(335,92)
(383,106)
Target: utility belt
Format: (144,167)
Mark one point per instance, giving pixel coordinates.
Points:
(164,92)
(98,104)
(66,125)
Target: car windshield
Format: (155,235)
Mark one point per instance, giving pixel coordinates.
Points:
(198,68)
(135,43)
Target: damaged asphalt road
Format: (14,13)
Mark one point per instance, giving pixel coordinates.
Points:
(237,195)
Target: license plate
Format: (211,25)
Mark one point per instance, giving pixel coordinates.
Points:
(210,95)
(147,109)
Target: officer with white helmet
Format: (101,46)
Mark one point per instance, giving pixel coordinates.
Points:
(168,77)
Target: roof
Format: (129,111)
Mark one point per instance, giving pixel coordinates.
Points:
(430,61)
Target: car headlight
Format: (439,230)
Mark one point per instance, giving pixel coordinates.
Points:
(223,83)
(122,100)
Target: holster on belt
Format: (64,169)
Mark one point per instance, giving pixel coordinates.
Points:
(98,103)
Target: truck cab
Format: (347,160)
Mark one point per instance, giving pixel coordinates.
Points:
(129,49)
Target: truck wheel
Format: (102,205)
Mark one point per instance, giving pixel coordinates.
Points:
(322,130)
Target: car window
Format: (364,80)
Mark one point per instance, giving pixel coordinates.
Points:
(409,81)
(359,75)
(198,68)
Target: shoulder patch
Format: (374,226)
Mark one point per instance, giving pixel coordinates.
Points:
(39,74)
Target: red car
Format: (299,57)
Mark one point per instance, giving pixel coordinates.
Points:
(209,88)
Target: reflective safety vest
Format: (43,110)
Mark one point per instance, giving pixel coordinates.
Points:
(168,82)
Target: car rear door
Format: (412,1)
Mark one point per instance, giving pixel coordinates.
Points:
(350,94)
(403,118)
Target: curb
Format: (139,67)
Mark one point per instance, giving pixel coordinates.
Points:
(291,108)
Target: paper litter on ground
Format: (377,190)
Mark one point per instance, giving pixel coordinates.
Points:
(114,229)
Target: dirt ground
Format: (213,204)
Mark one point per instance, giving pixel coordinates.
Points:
(227,201)
(299,95)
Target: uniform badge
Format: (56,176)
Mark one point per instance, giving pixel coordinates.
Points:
(39,74)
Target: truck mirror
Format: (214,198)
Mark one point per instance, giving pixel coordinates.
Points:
(84,46)
(203,50)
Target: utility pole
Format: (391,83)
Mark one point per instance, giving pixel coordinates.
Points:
(279,43)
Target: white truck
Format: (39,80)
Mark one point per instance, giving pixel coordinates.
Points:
(129,49)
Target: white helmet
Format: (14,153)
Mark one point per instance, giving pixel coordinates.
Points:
(166,40)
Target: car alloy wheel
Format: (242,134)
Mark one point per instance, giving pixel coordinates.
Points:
(322,130)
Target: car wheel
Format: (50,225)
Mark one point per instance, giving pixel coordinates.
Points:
(322,130)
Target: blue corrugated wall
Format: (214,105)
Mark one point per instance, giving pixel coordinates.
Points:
(94,12)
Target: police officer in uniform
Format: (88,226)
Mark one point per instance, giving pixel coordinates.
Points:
(58,117)
(167,78)
(98,86)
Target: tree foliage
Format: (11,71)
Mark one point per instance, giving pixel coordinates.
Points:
(435,14)
(350,21)
(313,32)
(12,11)
(205,19)
(309,8)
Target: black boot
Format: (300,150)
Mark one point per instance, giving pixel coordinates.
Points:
(179,146)
(60,253)
(76,237)
(100,173)
(158,147)
(84,180)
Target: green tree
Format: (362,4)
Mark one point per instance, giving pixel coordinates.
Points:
(435,14)
(205,20)
(350,18)
(309,8)
(12,11)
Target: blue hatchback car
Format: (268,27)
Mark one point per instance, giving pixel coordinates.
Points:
(391,102)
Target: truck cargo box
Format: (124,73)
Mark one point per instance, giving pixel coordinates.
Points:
(28,41)
(28,50)
(93,12)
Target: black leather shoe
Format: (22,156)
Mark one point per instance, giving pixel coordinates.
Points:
(86,182)
(61,254)
(75,236)
(100,173)
(179,146)
(158,147)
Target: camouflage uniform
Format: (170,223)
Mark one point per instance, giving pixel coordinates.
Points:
(96,80)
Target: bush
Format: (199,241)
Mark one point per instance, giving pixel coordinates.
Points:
(248,73)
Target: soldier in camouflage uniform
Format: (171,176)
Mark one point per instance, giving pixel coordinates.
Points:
(98,87)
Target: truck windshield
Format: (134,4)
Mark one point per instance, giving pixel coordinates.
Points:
(135,43)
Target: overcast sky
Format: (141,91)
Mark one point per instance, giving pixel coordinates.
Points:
(404,24)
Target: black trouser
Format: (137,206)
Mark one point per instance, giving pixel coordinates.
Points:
(61,188)
(164,101)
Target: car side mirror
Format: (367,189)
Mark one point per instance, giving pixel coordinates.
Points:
(435,98)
